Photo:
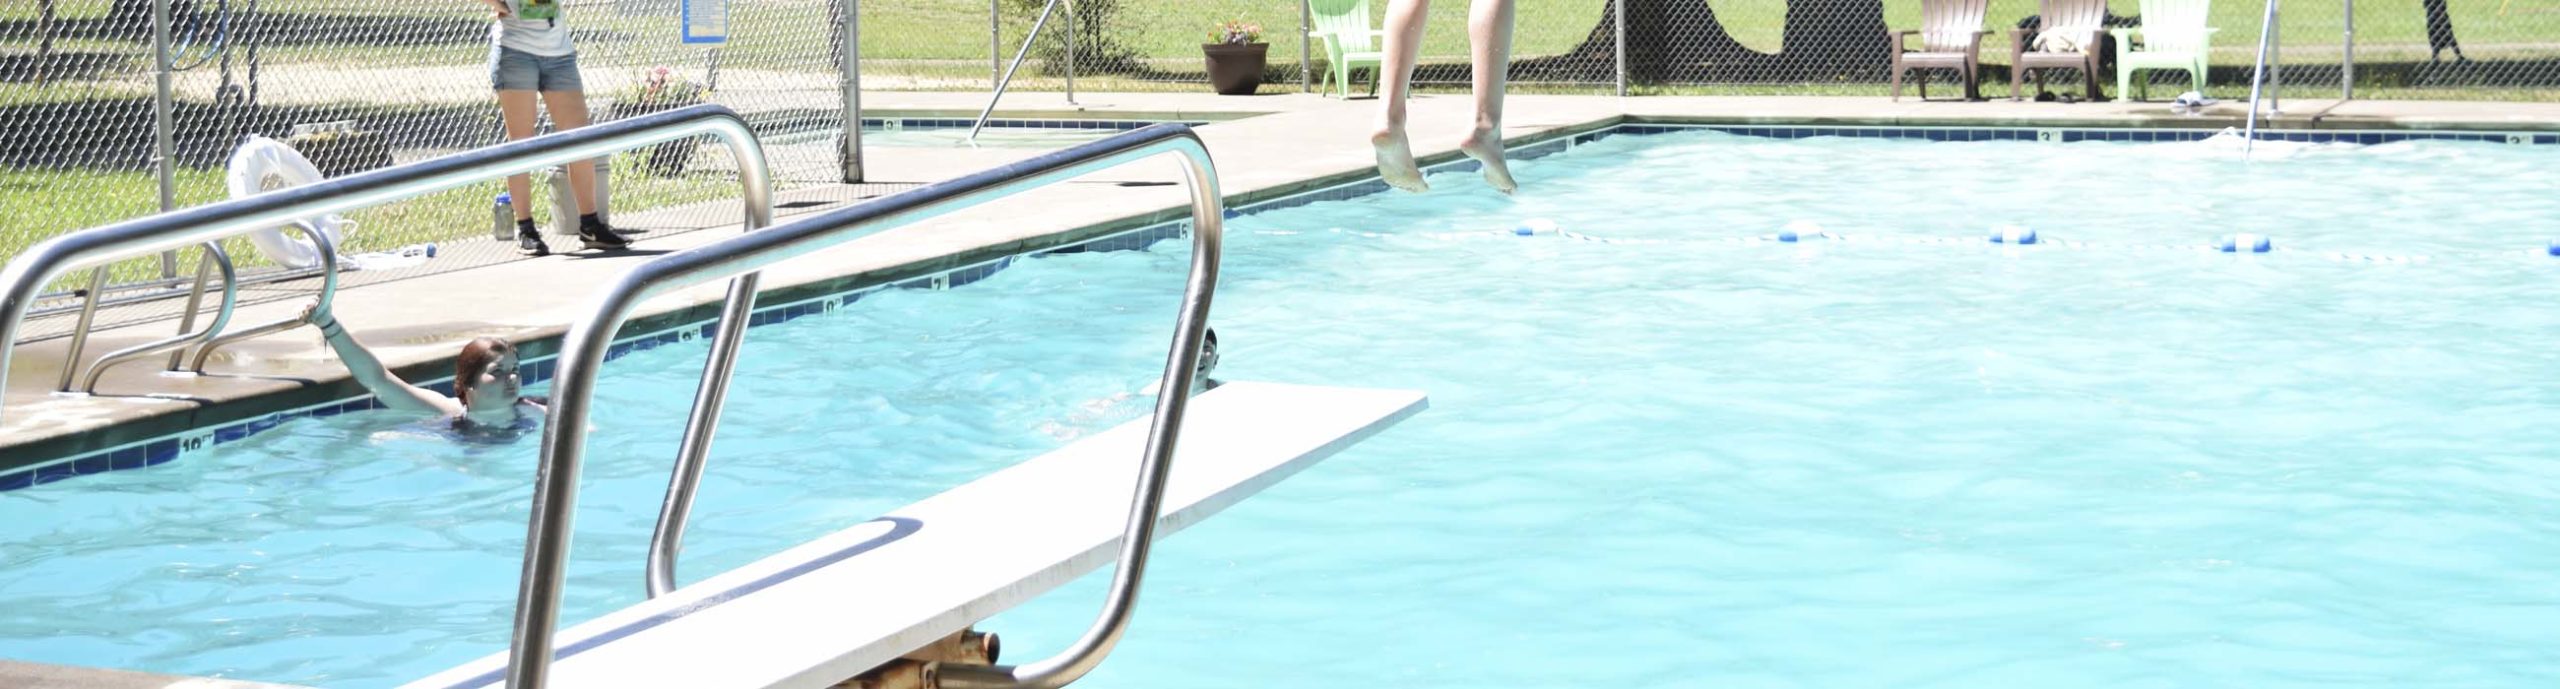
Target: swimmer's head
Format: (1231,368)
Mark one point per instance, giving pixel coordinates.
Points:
(485,376)
(1208,361)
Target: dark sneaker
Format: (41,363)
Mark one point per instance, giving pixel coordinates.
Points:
(529,243)
(597,235)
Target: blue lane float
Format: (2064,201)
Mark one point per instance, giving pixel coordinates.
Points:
(2012,234)
(2553,248)
(1801,230)
(2243,243)
(1536,226)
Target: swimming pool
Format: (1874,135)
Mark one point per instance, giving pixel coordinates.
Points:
(1661,452)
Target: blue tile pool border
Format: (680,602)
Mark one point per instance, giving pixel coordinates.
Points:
(541,368)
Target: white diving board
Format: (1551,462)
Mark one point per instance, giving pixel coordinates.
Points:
(827,610)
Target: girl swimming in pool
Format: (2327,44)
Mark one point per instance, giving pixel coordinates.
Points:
(487,390)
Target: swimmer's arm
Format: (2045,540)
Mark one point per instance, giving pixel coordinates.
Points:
(370,372)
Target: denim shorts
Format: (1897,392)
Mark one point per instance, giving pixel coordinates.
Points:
(516,70)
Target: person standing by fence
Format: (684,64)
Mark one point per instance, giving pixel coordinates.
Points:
(533,65)
(2440,33)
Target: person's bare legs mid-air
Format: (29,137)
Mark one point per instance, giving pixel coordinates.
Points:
(1489,34)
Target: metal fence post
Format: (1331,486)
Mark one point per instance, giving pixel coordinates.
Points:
(1619,10)
(1071,52)
(2347,67)
(995,44)
(163,134)
(1306,24)
(2275,57)
(849,67)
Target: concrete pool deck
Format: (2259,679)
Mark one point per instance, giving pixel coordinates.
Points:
(1265,147)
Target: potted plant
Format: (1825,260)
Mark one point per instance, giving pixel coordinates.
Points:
(1235,53)
(661,89)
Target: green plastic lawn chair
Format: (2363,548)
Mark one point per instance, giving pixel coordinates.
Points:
(2174,36)
(1349,42)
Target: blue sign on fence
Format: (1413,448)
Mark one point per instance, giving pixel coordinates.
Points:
(705,21)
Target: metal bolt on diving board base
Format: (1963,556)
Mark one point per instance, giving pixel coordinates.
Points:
(922,668)
(898,674)
(970,646)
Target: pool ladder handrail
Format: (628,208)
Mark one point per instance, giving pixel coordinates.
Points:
(1006,81)
(2258,80)
(27,274)
(328,296)
(205,341)
(584,349)
(214,257)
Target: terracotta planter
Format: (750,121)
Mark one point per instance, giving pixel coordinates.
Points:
(1235,69)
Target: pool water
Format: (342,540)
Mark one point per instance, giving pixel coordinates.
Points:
(1675,458)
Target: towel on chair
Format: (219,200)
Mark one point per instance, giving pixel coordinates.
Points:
(2065,39)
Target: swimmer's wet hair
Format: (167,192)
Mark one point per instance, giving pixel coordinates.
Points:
(476,359)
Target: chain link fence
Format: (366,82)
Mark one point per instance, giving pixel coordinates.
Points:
(376,82)
(361,84)
(2403,49)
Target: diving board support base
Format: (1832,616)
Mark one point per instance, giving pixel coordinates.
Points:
(827,612)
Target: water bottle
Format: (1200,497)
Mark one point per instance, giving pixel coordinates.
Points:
(503,223)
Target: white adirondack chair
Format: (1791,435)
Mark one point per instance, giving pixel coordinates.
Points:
(2174,36)
(1349,41)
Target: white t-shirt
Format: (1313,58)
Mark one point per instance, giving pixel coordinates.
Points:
(547,37)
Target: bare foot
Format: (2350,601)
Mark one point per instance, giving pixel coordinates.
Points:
(1485,145)
(1395,160)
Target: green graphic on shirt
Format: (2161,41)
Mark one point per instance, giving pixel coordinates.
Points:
(539,9)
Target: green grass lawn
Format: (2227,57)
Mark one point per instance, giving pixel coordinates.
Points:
(956,29)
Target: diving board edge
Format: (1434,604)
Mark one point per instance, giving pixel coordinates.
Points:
(824,611)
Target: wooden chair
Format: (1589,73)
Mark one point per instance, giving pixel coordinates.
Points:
(1950,38)
(2072,35)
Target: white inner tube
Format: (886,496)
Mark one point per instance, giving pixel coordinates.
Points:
(261,158)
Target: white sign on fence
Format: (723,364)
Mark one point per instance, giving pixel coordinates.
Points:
(705,21)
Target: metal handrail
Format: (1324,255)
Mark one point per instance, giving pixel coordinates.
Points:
(328,296)
(46,260)
(214,255)
(221,319)
(583,350)
(1006,81)
(207,340)
(2258,81)
(195,296)
(156,289)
